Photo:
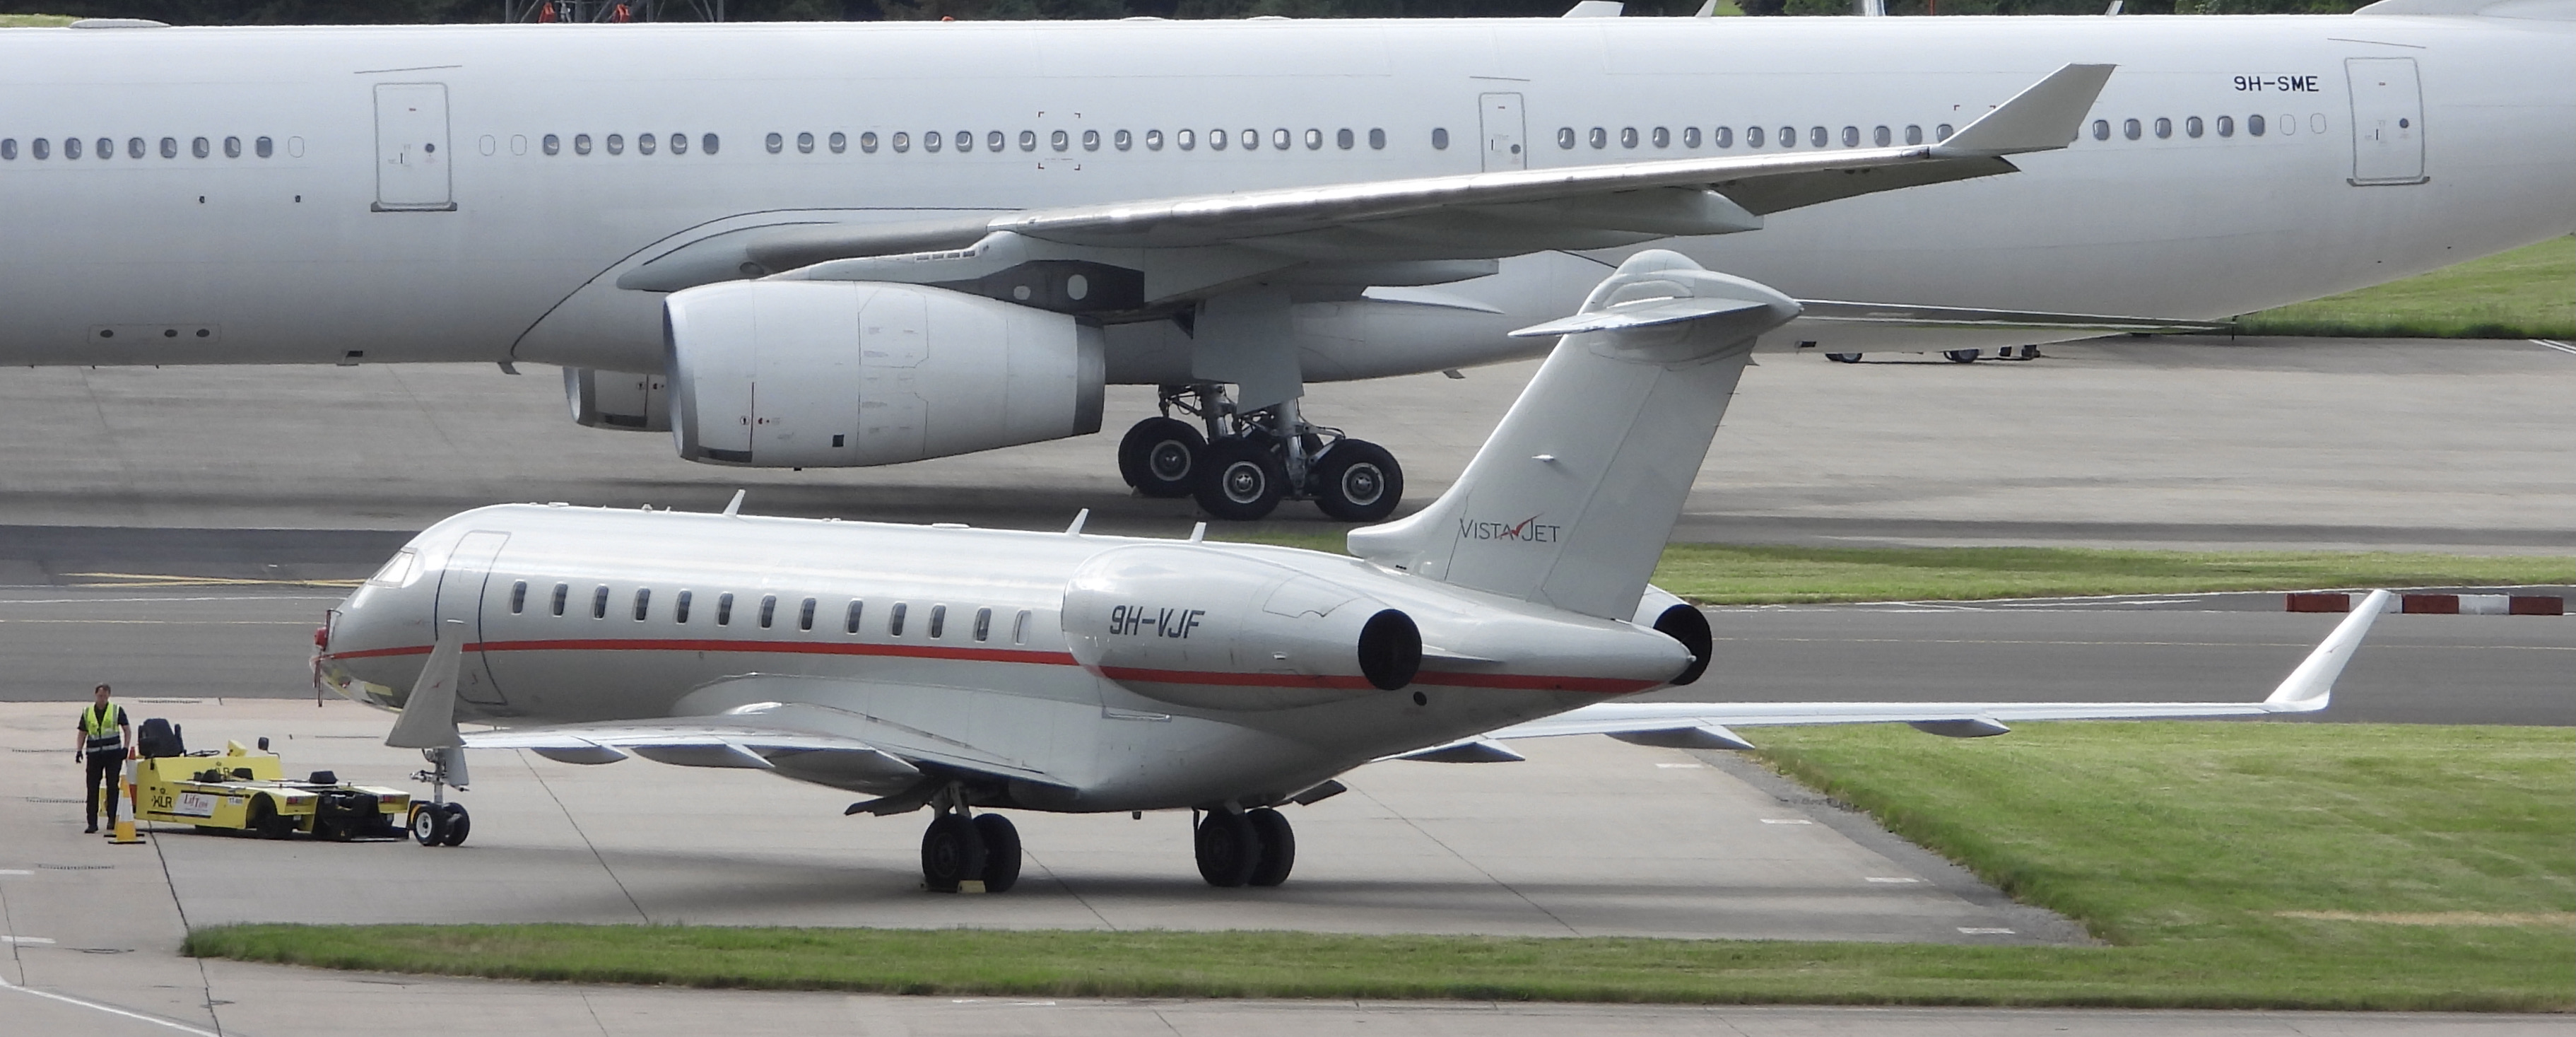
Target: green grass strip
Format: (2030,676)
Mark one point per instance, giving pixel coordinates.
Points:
(34,21)
(1733,574)
(2529,292)
(2420,868)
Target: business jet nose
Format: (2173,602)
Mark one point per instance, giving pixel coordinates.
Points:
(373,643)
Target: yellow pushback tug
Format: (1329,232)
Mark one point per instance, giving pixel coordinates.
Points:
(245,789)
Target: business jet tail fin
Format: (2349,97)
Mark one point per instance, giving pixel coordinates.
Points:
(1571,499)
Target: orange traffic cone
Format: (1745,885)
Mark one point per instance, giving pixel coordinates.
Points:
(125,835)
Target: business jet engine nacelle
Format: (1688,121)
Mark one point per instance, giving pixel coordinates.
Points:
(1198,628)
(844,373)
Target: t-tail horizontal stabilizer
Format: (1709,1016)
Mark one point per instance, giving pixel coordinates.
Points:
(2308,688)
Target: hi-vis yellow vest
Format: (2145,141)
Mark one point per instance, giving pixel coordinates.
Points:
(99,723)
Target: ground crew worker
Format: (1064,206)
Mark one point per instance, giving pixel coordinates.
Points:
(104,736)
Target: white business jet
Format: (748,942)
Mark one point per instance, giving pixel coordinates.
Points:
(970,671)
(1227,210)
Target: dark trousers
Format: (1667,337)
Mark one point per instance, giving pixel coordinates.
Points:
(106,779)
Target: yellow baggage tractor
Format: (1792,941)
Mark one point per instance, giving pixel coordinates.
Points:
(245,789)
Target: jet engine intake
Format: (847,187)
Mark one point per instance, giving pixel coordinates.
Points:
(850,373)
(1195,627)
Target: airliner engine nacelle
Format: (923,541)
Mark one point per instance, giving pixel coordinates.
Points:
(1197,628)
(618,400)
(845,373)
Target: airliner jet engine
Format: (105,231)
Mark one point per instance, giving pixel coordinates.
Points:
(846,373)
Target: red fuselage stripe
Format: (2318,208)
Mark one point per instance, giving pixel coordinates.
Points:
(1500,681)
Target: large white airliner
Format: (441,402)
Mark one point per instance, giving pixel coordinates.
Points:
(968,669)
(1225,209)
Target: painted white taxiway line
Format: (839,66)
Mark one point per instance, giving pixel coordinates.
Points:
(94,1006)
(2559,346)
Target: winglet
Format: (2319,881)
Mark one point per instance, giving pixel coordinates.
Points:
(2311,686)
(428,719)
(2044,117)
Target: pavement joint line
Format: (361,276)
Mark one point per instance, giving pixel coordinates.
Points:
(1461,858)
(100,1006)
(205,981)
(604,867)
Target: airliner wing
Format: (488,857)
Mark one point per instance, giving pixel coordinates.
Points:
(1463,216)
(1841,315)
(1704,725)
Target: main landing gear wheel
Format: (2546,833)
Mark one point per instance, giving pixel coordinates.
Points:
(1001,852)
(1242,480)
(1159,457)
(1229,849)
(1278,847)
(952,852)
(1960,356)
(1358,481)
(1843,358)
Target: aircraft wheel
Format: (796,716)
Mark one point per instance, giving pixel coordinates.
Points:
(459,823)
(1843,358)
(1960,356)
(1158,456)
(1241,480)
(951,853)
(1358,481)
(1001,852)
(1278,847)
(1229,849)
(429,824)
(2030,352)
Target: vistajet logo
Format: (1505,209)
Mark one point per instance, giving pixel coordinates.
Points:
(1527,531)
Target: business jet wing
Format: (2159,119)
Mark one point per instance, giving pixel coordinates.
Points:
(1463,216)
(1705,725)
(844,747)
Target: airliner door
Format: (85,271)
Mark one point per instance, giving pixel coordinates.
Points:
(411,148)
(2387,121)
(460,597)
(1504,132)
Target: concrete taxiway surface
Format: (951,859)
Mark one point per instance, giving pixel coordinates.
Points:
(2439,445)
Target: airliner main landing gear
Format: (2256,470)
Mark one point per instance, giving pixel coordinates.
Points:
(960,847)
(1247,462)
(1250,848)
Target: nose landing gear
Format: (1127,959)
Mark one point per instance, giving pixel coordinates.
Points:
(1247,462)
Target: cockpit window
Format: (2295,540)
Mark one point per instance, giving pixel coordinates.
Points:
(404,568)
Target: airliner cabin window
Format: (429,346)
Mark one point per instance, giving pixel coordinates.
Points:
(1882,136)
(1817,137)
(983,624)
(1059,140)
(134,147)
(1941,133)
(2289,124)
(850,620)
(2129,128)
(643,603)
(894,619)
(993,141)
(1218,139)
(9,149)
(777,143)
(599,602)
(1377,140)
(106,148)
(1091,140)
(932,141)
(1314,140)
(1788,136)
(1153,140)
(1851,136)
(1343,139)
(1628,137)
(1279,139)
(805,615)
(198,147)
(562,591)
(1440,138)
(1565,137)
(2253,125)
(1123,140)
(1185,139)
(232,147)
(768,610)
(581,143)
(1914,135)
(938,620)
(2191,127)
(551,144)
(2101,129)
(805,143)
(1690,136)
(868,142)
(965,141)
(616,144)
(262,147)
(1753,136)
(1663,138)
(1599,138)
(708,143)
(2164,128)
(724,609)
(680,607)
(645,143)
(518,597)
(71,147)
(1725,137)
(1028,140)
(901,142)
(839,142)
